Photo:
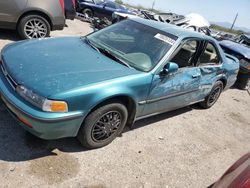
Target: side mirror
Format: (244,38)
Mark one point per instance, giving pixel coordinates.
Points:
(170,68)
(104,5)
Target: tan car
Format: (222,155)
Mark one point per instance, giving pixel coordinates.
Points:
(32,18)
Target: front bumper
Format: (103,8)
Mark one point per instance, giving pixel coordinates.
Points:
(42,124)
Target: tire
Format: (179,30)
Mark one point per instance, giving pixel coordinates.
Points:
(214,95)
(88,12)
(94,133)
(243,81)
(28,29)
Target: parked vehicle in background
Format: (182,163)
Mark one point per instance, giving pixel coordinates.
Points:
(240,48)
(225,36)
(100,8)
(192,21)
(195,22)
(215,34)
(31,18)
(237,176)
(111,78)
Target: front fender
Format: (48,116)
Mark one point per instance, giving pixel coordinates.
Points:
(112,93)
(135,87)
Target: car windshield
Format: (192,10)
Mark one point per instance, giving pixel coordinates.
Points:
(139,45)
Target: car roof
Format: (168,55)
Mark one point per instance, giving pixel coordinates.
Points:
(172,29)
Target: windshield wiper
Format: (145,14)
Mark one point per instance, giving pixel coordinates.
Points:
(112,56)
(107,53)
(91,44)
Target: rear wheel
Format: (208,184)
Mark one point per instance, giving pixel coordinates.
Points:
(88,12)
(214,95)
(103,125)
(33,26)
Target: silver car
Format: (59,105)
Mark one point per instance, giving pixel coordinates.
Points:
(32,18)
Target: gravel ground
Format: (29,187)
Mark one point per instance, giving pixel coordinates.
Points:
(189,147)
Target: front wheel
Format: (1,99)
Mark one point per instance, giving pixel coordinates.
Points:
(214,95)
(103,125)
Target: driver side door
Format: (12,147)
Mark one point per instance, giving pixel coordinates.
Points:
(179,89)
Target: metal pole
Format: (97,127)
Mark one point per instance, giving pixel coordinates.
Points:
(234,21)
(153,5)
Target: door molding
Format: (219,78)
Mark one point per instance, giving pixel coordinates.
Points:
(168,96)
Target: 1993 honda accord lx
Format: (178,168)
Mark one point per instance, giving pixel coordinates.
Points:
(91,87)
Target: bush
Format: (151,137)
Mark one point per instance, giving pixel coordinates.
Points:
(224,29)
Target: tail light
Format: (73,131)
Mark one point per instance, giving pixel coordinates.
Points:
(62,5)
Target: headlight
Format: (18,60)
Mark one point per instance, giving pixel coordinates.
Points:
(41,102)
(245,64)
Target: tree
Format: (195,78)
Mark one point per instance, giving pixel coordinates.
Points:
(119,1)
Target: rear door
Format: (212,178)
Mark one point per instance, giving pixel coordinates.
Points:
(210,65)
(10,11)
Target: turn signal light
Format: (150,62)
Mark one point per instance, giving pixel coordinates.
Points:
(55,106)
(59,106)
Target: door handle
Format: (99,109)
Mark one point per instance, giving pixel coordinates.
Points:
(196,75)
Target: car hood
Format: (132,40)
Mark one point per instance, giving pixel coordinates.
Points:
(239,48)
(51,66)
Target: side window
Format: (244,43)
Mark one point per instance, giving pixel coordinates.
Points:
(111,5)
(98,2)
(209,56)
(185,55)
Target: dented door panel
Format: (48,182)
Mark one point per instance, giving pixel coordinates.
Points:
(173,91)
(209,75)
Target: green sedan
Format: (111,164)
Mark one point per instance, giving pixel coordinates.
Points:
(92,87)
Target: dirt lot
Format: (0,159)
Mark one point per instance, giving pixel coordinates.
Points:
(189,147)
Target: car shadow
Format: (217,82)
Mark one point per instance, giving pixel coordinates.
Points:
(11,35)
(19,145)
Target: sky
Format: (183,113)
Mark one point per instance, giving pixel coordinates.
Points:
(212,10)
